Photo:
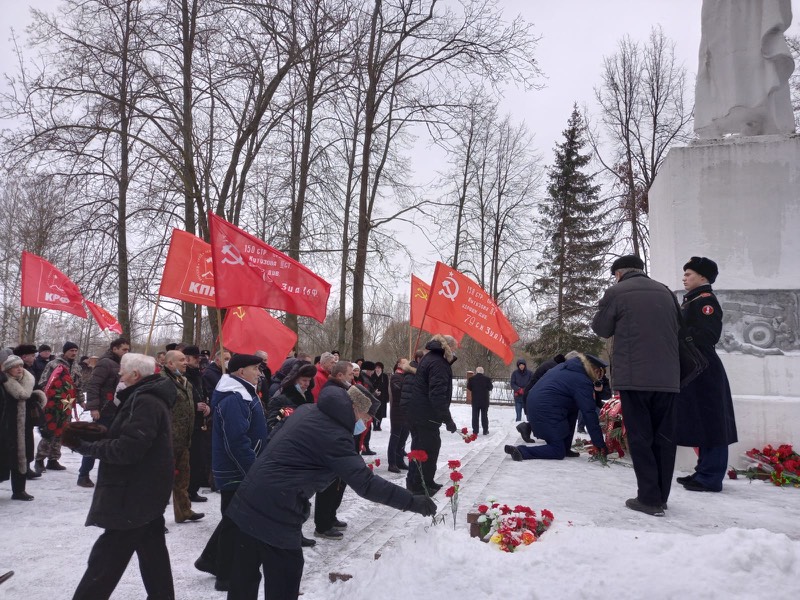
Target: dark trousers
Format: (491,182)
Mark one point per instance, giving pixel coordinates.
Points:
(219,549)
(712,464)
(199,460)
(111,554)
(519,405)
(326,503)
(552,450)
(424,436)
(18,482)
(397,444)
(283,570)
(483,413)
(650,419)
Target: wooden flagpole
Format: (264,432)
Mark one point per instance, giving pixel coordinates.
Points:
(152,325)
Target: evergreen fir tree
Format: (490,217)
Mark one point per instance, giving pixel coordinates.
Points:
(572,265)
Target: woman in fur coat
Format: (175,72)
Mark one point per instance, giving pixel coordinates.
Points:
(18,390)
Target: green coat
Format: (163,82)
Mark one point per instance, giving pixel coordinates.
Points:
(182,411)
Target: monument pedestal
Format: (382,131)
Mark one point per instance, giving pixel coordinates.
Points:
(737,201)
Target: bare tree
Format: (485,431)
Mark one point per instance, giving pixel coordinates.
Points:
(643,112)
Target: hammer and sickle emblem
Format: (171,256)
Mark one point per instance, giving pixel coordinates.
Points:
(232,254)
(449,288)
(421,293)
(239,312)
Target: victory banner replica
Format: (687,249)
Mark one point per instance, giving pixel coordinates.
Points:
(248,272)
(420,293)
(458,300)
(44,286)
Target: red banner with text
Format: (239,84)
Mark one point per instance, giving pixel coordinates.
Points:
(44,286)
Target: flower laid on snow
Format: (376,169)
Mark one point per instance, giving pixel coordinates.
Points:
(510,528)
(374,463)
(779,465)
(467,436)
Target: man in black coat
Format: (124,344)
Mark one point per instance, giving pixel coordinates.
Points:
(311,449)
(429,409)
(642,316)
(380,382)
(100,397)
(200,450)
(480,385)
(134,483)
(44,356)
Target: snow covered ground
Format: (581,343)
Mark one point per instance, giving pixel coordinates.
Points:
(741,543)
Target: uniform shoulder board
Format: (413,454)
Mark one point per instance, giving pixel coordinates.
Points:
(705,295)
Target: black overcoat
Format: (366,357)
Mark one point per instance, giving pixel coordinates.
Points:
(480,385)
(705,406)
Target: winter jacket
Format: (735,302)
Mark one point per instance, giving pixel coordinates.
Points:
(39,365)
(541,370)
(102,385)
(520,379)
(195,378)
(433,385)
(239,431)
(74,372)
(554,402)
(211,376)
(304,456)
(380,383)
(397,413)
(480,385)
(279,376)
(319,381)
(20,397)
(641,315)
(134,481)
(289,398)
(705,407)
(182,411)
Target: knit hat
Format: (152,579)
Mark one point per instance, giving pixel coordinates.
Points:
(240,361)
(24,349)
(368,365)
(45,348)
(11,362)
(191,351)
(629,261)
(69,346)
(703,266)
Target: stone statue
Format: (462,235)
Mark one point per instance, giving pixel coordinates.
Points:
(745,65)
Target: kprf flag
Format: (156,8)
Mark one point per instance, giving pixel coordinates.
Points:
(247,329)
(44,286)
(458,300)
(420,292)
(188,273)
(248,272)
(103,318)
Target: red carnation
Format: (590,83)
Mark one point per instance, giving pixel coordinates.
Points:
(482,508)
(377,462)
(464,430)
(732,474)
(456,476)
(450,492)
(454,464)
(418,455)
(51,426)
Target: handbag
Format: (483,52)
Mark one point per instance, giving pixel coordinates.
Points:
(692,361)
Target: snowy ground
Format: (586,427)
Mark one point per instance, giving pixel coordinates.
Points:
(741,543)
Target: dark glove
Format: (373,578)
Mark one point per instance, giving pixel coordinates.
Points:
(422,505)
(451,426)
(76,432)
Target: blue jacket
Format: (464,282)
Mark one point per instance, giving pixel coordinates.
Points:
(239,431)
(555,400)
(520,379)
(304,456)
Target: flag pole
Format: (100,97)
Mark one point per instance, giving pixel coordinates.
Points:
(152,325)
(221,344)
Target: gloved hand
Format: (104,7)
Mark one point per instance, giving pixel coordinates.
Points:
(422,505)
(451,426)
(602,450)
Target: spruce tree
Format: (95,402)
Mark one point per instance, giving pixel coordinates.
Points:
(571,271)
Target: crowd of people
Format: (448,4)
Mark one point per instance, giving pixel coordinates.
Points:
(165,427)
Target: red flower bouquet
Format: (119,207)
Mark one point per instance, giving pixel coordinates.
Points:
(511,528)
(452,491)
(60,392)
(467,436)
(779,465)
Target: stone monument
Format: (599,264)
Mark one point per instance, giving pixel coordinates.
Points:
(734,196)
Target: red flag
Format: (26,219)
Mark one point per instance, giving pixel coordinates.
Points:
(458,300)
(249,272)
(247,329)
(44,286)
(188,273)
(420,291)
(103,318)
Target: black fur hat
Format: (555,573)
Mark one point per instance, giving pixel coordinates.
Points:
(629,261)
(24,349)
(703,266)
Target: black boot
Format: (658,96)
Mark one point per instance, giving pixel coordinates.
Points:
(54,465)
